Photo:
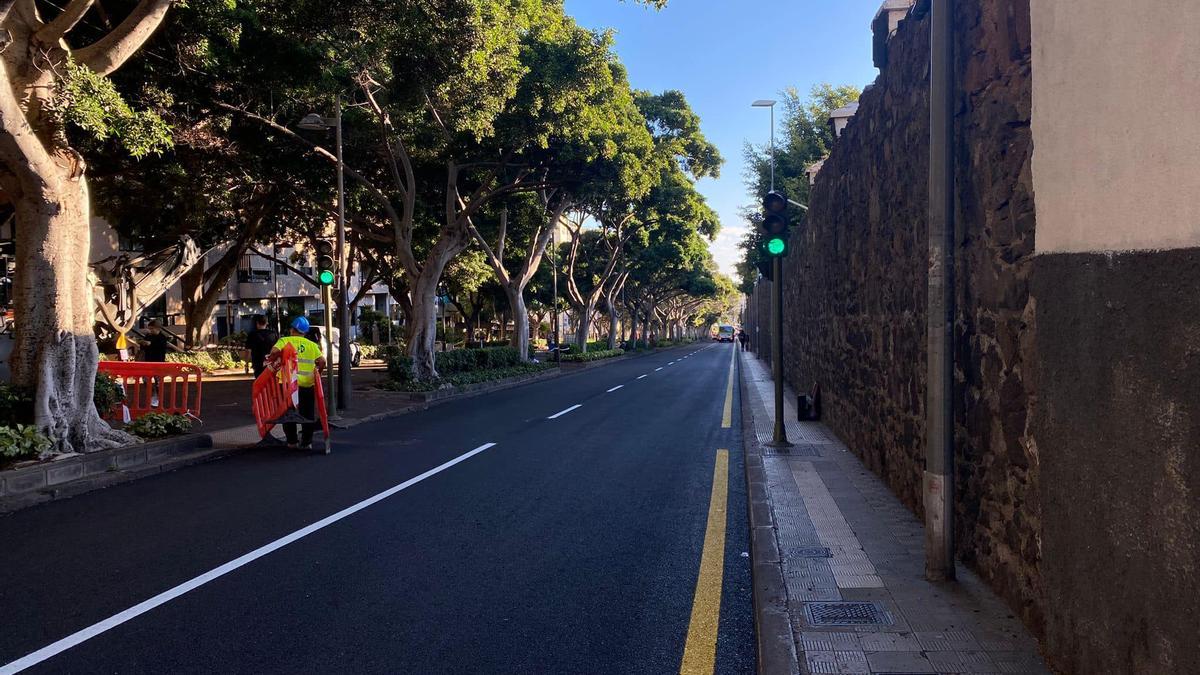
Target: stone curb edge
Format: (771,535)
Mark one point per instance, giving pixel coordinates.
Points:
(772,624)
(52,481)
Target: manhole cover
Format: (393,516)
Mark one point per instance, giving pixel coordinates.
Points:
(845,614)
(812,552)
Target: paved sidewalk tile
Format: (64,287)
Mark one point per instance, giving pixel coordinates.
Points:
(852,559)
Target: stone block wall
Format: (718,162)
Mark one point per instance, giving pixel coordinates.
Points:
(855,289)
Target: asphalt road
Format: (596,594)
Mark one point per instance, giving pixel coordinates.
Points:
(571,545)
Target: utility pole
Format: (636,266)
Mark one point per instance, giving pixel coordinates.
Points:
(345,363)
(938,483)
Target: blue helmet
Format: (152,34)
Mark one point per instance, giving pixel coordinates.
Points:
(300,323)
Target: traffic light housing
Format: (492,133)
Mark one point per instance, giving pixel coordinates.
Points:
(775,226)
(325,263)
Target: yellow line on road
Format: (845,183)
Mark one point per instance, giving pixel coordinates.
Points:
(727,417)
(700,651)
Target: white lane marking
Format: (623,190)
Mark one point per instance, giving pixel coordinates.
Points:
(614,389)
(564,412)
(137,610)
(658,369)
(671,363)
(641,376)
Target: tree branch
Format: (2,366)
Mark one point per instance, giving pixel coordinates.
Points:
(110,52)
(64,22)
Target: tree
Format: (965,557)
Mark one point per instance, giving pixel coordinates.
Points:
(602,146)
(52,86)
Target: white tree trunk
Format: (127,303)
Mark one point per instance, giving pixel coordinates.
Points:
(55,350)
(520,335)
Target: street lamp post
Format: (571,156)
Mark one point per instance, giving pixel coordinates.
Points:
(315,122)
(779,436)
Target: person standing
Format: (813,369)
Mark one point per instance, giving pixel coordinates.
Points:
(743,338)
(154,350)
(309,364)
(258,345)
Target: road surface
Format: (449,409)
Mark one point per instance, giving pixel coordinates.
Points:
(592,523)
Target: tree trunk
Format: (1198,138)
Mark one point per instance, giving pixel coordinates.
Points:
(612,324)
(520,334)
(55,350)
(584,326)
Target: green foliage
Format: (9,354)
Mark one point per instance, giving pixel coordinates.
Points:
(469,377)
(107,394)
(91,103)
(16,405)
(368,321)
(592,356)
(384,352)
(209,360)
(158,425)
(22,441)
(458,361)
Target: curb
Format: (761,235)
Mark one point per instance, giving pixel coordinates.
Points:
(54,480)
(772,624)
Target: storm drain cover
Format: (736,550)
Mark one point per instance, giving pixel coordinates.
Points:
(845,614)
(812,552)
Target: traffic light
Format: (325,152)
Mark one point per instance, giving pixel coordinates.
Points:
(775,225)
(325,267)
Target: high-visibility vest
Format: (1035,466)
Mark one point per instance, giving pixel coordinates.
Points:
(307,353)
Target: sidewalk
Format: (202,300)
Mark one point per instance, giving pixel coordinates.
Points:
(850,560)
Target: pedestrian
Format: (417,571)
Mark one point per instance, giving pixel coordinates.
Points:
(309,364)
(154,350)
(743,338)
(258,345)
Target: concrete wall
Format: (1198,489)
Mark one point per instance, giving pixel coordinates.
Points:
(1116,94)
(1117,421)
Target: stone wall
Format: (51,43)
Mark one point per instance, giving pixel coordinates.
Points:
(855,289)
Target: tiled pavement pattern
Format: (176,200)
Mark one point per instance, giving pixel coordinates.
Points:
(844,538)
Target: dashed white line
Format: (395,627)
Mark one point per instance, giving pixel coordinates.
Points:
(564,412)
(614,389)
(658,369)
(137,610)
(641,376)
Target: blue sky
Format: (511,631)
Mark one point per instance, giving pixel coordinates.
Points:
(719,55)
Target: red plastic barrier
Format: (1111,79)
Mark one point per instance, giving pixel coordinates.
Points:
(275,391)
(179,387)
(272,393)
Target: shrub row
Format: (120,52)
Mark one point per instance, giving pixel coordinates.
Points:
(469,377)
(458,361)
(593,356)
(208,360)
(158,425)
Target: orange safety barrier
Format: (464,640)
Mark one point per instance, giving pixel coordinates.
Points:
(275,393)
(155,387)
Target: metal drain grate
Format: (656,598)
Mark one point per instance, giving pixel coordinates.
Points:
(811,552)
(846,614)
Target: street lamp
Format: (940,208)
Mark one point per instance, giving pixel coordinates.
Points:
(315,122)
(768,103)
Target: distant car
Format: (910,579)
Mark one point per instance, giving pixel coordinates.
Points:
(355,350)
(725,334)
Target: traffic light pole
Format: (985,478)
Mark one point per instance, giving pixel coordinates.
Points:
(344,361)
(779,438)
(327,298)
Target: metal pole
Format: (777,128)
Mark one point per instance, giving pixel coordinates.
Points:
(344,365)
(275,279)
(939,420)
(779,438)
(772,147)
(554,264)
(327,298)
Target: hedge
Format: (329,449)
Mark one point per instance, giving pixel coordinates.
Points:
(458,361)
(592,356)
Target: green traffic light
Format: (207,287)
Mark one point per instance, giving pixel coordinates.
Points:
(325,277)
(776,246)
